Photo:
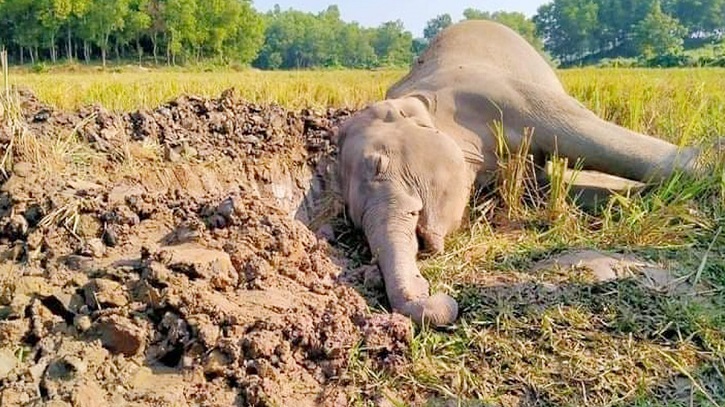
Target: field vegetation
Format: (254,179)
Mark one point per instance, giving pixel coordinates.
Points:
(526,337)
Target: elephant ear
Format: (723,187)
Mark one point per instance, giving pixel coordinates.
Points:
(429,99)
(429,102)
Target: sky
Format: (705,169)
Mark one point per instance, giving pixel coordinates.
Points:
(413,13)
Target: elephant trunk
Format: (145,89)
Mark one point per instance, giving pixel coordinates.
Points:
(394,243)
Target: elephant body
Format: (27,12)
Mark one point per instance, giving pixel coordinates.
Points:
(409,163)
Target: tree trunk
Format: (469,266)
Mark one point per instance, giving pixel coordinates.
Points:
(86,52)
(104,47)
(22,58)
(154,39)
(139,50)
(117,51)
(53,49)
(168,52)
(69,45)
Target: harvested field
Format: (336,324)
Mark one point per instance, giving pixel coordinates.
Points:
(203,234)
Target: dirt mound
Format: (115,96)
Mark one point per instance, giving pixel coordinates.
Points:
(154,258)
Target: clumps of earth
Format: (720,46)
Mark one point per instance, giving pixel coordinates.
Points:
(169,257)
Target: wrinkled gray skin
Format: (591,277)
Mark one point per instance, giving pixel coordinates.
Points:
(409,163)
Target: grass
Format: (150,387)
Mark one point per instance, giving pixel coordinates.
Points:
(560,338)
(549,338)
(529,338)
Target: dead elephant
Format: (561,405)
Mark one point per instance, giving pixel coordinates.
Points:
(408,164)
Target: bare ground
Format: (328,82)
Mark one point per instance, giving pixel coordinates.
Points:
(161,258)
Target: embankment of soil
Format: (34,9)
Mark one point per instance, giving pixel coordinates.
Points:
(162,257)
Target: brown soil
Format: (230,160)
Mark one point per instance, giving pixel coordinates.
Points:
(162,258)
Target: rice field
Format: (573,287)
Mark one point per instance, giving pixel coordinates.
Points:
(521,342)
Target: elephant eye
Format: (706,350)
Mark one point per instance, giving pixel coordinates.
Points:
(377,165)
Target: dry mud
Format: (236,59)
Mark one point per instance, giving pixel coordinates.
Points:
(177,267)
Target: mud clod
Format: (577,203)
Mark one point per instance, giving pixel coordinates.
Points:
(8,361)
(175,267)
(103,294)
(197,262)
(119,335)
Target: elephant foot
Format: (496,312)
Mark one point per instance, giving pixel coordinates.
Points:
(438,310)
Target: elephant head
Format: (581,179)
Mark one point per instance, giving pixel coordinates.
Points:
(403,183)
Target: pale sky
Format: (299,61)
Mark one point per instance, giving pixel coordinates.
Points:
(413,13)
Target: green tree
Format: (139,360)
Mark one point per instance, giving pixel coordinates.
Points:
(4,26)
(615,21)
(514,20)
(305,51)
(157,26)
(136,25)
(228,30)
(701,17)
(6,33)
(216,22)
(53,16)
(294,39)
(569,28)
(291,40)
(392,44)
(181,27)
(77,14)
(322,35)
(26,32)
(355,48)
(436,25)
(246,41)
(271,56)
(419,45)
(104,17)
(475,14)
(659,34)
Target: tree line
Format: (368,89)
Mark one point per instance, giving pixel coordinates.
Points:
(183,31)
(295,39)
(580,30)
(232,31)
(34,30)
(585,31)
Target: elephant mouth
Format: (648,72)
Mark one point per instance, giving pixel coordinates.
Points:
(422,251)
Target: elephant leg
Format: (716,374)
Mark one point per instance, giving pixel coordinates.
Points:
(564,127)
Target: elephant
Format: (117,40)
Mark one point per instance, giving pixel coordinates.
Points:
(408,164)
